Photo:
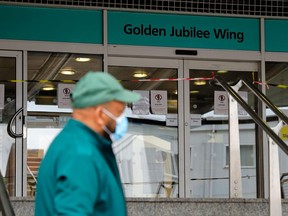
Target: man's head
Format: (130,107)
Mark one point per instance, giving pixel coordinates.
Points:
(98,100)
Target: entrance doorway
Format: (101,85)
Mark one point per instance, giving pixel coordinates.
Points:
(176,145)
(196,134)
(207,131)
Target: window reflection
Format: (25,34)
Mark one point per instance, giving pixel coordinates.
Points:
(148,155)
(45,120)
(7,110)
(277,91)
(209,169)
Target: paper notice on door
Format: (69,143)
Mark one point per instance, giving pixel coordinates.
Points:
(2,96)
(63,95)
(159,102)
(221,102)
(171,120)
(195,120)
(142,106)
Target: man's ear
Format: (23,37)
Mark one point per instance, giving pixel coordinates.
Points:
(99,116)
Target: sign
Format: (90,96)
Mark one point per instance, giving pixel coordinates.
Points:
(171,120)
(159,102)
(195,120)
(63,95)
(142,106)
(2,96)
(276,34)
(51,24)
(221,102)
(284,133)
(188,31)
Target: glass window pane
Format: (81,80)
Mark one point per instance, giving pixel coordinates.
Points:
(7,144)
(148,155)
(276,91)
(209,170)
(45,119)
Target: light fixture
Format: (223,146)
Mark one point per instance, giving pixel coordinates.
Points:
(175,92)
(222,71)
(48,88)
(83,59)
(140,74)
(200,82)
(194,92)
(67,72)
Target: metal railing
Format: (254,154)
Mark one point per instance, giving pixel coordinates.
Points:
(274,176)
(5,204)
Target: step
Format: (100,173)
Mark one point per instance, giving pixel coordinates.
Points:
(178,207)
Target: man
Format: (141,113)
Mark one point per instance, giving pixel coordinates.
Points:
(79,174)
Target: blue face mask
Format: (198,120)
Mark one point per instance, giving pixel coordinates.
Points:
(121,126)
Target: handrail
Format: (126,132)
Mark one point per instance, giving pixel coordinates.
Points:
(255,117)
(4,199)
(265,100)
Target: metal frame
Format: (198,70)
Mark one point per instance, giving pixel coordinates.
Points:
(235,170)
(164,63)
(269,8)
(19,175)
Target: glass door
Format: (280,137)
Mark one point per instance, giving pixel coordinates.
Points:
(206,134)
(11,121)
(150,157)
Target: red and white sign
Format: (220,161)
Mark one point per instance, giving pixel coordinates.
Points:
(63,95)
(159,102)
(221,101)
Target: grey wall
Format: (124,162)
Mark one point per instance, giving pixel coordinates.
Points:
(178,207)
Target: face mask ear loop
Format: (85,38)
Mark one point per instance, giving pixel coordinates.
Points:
(109,114)
(107,130)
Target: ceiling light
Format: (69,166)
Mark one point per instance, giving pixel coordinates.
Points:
(140,74)
(67,72)
(48,88)
(222,71)
(200,82)
(194,92)
(82,59)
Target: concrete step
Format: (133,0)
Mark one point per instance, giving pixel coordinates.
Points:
(178,207)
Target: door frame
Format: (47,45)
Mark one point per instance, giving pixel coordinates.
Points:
(20,175)
(205,65)
(183,67)
(163,63)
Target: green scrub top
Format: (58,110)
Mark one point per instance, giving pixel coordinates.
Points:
(79,176)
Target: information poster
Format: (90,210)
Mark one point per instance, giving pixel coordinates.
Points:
(63,95)
(159,102)
(221,103)
(171,120)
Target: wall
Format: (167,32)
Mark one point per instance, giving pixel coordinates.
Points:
(195,207)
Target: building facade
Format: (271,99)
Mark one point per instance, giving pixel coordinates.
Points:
(170,52)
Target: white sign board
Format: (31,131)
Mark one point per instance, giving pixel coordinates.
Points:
(2,95)
(142,106)
(159,102)
(195,120)
(63,95)
(221,102)
(171,120)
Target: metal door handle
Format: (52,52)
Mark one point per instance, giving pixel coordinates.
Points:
(9,126)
